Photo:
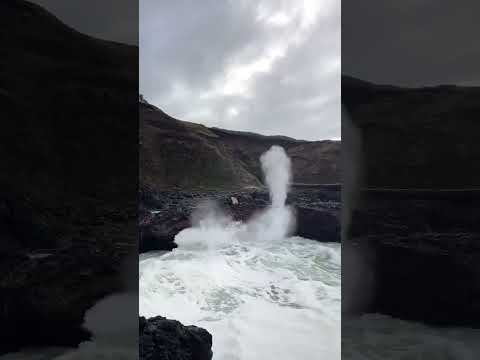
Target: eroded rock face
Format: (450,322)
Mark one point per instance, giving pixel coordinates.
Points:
(164,339)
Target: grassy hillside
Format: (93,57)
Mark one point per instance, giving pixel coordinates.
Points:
(179,153)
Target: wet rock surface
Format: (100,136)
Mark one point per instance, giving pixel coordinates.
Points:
(47,286)
(164,339)
(414,248)
(164,214)
(422,254)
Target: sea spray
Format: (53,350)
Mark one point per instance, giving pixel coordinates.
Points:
(213,228)
(261,293)
(277,222)
(276,167)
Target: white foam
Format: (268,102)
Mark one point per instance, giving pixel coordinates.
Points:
(261,293)
(259,300)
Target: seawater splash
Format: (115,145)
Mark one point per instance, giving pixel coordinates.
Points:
(277,169)
(212,228)
(261,293)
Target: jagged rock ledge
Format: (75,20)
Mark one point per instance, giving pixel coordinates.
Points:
(164,339)
(42,306)
(164,214)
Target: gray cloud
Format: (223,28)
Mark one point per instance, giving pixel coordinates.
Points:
(411,42)
(115,20)
(271,67)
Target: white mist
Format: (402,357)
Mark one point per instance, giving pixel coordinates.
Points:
(277,169)
(261,293)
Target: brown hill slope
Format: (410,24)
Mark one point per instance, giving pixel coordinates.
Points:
(188,155)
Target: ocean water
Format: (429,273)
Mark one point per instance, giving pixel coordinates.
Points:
(259,299)
(261,293)
(379,337)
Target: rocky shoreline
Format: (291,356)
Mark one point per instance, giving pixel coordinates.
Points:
(161,338)
(56,263)
(164,214)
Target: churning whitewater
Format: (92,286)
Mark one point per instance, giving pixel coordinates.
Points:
(260,292)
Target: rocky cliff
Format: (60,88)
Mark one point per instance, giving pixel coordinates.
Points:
(68,154)
(187,155)
(413,251)
(417,137)
(182,164)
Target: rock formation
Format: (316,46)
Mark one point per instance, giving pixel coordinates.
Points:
(415,234)
(164,339)
(68,152)
(164,214)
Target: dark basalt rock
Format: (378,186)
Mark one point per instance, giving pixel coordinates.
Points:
(159,232)
(433,278)
(423,256)
(318,224)
(164,339)
(414,251)
(67,199)
(164,214)
(44,292)
(416,137)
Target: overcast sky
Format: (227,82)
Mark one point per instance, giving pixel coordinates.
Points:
(271,67)
(412,42)
(115,20)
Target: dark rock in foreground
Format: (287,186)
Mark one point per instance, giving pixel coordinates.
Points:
(44,296)
(164,339)
(68,159)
